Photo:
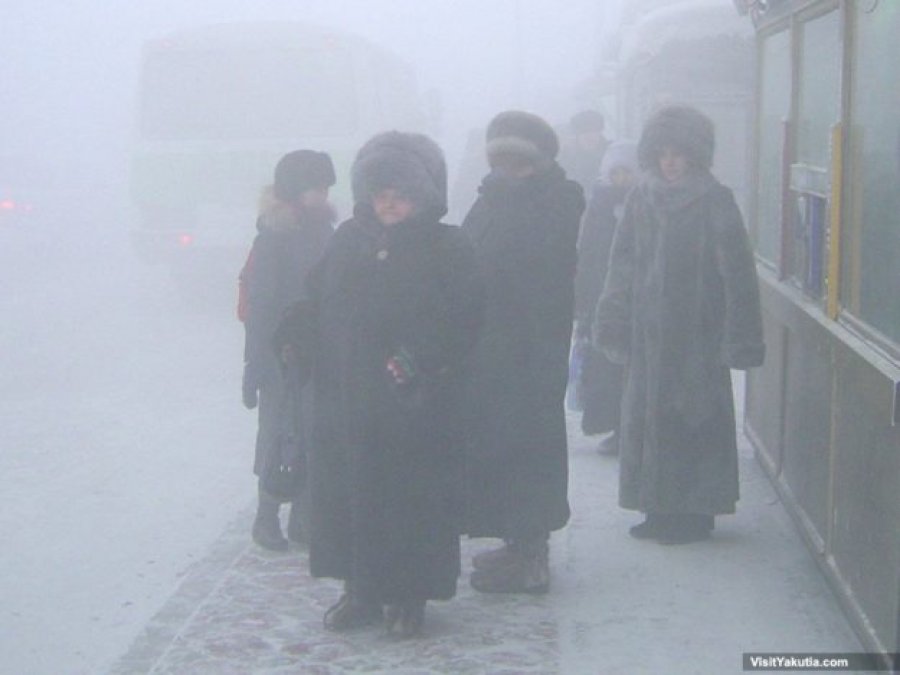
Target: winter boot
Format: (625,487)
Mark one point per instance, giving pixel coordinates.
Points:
(528,571)
(405,620)
(686,528)
(351,611)
(266,527)
(497,557)
(651,528)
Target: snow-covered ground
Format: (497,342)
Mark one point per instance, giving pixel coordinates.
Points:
(124,449)
(616,606)
(126,496)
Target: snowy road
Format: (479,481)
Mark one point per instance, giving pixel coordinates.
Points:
(123,447)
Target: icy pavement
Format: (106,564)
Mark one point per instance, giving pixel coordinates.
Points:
(616,605)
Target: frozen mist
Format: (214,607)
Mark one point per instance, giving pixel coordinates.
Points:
(125,455)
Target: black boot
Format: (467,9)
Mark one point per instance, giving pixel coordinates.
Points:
(266,527)
(651,528)
(351,611)
(687,528)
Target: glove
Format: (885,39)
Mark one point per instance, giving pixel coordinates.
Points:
(250,387)
(400,368)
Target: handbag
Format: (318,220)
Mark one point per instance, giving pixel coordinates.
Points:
(285,476)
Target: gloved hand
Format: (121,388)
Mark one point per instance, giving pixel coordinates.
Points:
(400,368)
(250,387)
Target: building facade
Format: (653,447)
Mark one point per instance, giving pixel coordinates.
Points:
(823,413)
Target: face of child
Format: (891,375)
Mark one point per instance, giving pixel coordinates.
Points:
(672,164)
(621,176)
(392,207)
(314,197)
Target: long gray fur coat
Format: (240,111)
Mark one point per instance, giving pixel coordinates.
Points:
(680,308)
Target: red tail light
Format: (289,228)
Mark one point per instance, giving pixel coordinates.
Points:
(7,205)
(185,239)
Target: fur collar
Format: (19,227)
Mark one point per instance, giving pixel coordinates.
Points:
(276,215)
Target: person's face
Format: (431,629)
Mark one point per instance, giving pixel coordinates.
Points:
(513,165)
(314,197)
(672,164)
(391,207)
(621,176)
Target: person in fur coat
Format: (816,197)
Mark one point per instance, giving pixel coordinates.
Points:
(600,380)
(294,225)
(524,225)
(680,307)
(395,309)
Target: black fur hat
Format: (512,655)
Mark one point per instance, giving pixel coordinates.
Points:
(687,130)
(302,170)
(409,162)
(523,134)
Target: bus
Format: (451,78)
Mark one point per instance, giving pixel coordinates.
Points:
(218,105)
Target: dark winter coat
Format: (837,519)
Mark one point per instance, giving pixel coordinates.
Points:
(286,248)
(386,484)
(525,234)
(600,379)
(681,306)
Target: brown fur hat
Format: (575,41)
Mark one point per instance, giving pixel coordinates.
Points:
(686,129)
(522,134)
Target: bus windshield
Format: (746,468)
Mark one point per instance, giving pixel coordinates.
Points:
(263,93)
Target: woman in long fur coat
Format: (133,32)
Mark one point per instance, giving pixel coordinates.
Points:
(395,309)
(680,307)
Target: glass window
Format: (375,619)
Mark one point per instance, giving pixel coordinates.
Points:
(872,231)
(775,103)
(819,88)
(818,110)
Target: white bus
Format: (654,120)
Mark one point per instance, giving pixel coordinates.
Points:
(218,106)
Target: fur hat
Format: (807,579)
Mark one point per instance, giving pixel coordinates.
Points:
(686,129)
(587,121)
(409,162)
(302,170)
(523,134)
(620,154)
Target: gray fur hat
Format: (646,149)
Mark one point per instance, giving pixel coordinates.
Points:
(686,129)
(524,134)
(409,162)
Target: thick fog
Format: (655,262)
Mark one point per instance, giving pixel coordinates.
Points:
(125,450)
